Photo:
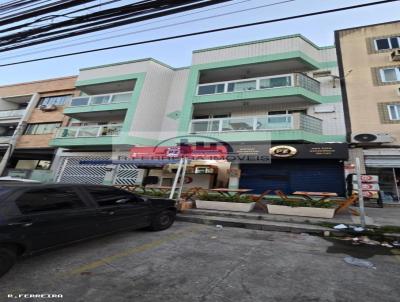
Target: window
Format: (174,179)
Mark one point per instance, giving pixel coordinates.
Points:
(242,86)
(45,200)
(44,128)
(109,196)
(59,100)
(394,112)
(387,43)
(275,82)
(390,74)
(211,89)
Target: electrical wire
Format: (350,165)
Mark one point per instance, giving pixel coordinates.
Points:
(323,12)
(175,7)
(124,29)
(156,28)
(50,17)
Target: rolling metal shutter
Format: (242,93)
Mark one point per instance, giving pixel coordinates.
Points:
(294,175)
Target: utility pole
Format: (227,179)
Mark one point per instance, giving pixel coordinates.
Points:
(360,192)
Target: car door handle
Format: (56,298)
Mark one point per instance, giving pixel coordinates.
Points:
(21,223)
(107,212)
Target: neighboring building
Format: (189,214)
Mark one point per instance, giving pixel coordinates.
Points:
(283,90)
(40,105)
(369,61)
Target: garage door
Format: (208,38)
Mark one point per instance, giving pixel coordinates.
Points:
(290,176)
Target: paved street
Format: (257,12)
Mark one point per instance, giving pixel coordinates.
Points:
(191,262)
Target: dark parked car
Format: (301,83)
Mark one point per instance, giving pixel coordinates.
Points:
(35,217)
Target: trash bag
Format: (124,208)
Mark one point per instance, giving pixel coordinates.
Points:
(359,262)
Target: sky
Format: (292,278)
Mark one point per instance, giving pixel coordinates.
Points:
(177,53)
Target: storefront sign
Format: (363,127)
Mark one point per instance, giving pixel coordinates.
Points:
(369,194)
(249,153)
(310,151)
(367,186)
(283,151)
(367,178)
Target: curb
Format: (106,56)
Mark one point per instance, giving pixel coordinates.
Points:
(257,224)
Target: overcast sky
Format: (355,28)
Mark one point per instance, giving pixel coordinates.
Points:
(177,53)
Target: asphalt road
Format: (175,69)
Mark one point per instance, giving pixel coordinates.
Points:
(191,262)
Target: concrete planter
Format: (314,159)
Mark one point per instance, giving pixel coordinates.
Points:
(301,211)
(225,206)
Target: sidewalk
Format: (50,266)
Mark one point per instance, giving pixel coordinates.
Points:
(376,217)
(389,216)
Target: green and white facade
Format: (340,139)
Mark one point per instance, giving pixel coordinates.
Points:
(285,90)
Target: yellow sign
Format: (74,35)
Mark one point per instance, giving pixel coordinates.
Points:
(283,151)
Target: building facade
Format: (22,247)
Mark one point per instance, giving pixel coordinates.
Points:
(275,94)
(369,61)
(31,112)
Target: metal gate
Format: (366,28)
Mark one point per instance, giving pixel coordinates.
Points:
(128,174)
(294,175)
(73,171)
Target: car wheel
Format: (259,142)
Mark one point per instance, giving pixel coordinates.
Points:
(7,259)
(163,220)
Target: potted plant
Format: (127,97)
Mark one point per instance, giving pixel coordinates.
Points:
(308,208)
(235,203)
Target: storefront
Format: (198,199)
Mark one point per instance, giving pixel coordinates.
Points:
(298,167)
(385,163)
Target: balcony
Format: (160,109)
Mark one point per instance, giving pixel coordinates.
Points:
(293,87)
(294,126)
(79,106)
(86,135)
(11,114)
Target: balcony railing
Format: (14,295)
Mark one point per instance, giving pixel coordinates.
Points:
(103,99)
(88,131)
(258,123)
(261,83)
(7,114)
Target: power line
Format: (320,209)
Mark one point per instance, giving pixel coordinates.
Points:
(158,27)
(103,20)
(120,30)
(207,31)
(50,17)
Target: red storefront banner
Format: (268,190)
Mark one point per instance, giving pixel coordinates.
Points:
(176,152)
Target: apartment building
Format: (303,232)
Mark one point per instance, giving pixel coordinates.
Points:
(369,61)
(29,115)
(279,96)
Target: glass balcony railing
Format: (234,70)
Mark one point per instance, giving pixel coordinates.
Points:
(258,123)
(88,131)
(261,83)
(7,114)
(253,123)
(114,98)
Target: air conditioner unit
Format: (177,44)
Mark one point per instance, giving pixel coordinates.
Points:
(48,107)
(395,55)
(372,138)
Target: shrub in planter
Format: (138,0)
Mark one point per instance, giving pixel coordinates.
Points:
(224,198)
(306,203)
(307,208)
(226,203)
